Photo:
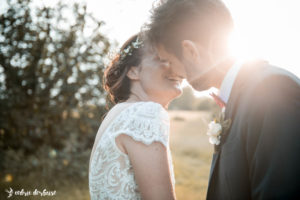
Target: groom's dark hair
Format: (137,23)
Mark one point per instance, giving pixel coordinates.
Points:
(198,20)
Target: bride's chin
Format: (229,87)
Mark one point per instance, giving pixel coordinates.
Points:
(177,91)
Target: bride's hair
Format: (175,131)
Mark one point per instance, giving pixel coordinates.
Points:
(115,80)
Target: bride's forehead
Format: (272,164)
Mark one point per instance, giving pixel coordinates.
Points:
(149,49)
(157,51)
(163,53)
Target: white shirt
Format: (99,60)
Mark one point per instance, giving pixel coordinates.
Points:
(229,79)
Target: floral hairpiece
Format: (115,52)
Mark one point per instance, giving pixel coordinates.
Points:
(133,45)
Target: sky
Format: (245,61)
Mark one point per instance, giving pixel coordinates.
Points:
(268,29)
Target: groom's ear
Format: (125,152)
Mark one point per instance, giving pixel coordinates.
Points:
(133,73)
(189,51)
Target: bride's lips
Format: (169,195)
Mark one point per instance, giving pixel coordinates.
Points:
(176,79)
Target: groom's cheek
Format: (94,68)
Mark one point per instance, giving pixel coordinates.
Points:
(196,85)
(180,69)
(192,70)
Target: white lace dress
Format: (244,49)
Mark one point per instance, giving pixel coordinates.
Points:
(111,175)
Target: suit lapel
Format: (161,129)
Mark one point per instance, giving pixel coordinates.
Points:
(228,114)
(213,164)
(239,85)
(246,73)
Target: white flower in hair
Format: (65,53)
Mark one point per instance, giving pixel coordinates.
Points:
(137,43)
(134,45)
(126,50)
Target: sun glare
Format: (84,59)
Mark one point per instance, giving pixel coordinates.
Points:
(266,29)
(238,47)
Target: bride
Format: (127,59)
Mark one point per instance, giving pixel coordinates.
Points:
(131,157)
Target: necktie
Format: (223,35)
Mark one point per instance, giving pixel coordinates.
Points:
(218,100)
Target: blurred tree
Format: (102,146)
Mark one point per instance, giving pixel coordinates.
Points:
(51,96)
(188,101)
(206,104)
(185,102)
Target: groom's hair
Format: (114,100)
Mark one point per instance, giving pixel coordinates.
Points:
(198,20)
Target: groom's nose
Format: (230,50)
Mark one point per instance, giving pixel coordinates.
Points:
(178,68)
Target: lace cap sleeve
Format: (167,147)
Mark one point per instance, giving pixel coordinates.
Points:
(145,122)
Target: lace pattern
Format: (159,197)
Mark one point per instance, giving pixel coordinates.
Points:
(111,175)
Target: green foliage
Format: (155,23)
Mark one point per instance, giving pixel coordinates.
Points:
(185,102)
(51,96)
(206,104)
(188,101)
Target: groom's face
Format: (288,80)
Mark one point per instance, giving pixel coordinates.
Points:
(175,63)
(198,63)
(195,65)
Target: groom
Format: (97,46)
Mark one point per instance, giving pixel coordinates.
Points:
(258,157)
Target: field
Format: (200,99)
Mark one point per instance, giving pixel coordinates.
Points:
(191,154)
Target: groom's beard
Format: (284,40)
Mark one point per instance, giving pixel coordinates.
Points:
(212,76)
(199,79)
(204,81)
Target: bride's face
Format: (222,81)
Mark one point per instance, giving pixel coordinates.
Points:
(160,79)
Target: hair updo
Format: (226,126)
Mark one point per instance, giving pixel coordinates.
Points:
(115,80)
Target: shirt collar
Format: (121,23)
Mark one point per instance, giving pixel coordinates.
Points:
(227,83)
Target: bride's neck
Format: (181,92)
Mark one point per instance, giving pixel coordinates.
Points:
(135,98)
(137,94)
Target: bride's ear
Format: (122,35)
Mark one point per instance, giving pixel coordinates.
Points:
(133,73)
(189,51)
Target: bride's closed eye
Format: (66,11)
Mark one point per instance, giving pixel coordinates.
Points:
(163,61)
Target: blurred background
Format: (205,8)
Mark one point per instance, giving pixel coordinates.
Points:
(52,57)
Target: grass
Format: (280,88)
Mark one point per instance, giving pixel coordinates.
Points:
(191,154)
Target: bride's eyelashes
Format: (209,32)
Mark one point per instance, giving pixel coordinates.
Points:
(162,60)
(165,62)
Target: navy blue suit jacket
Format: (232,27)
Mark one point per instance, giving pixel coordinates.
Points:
(259,156)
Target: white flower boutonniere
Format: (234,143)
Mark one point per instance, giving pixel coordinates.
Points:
(217,127)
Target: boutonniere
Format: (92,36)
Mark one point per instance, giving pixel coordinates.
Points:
(217,128)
